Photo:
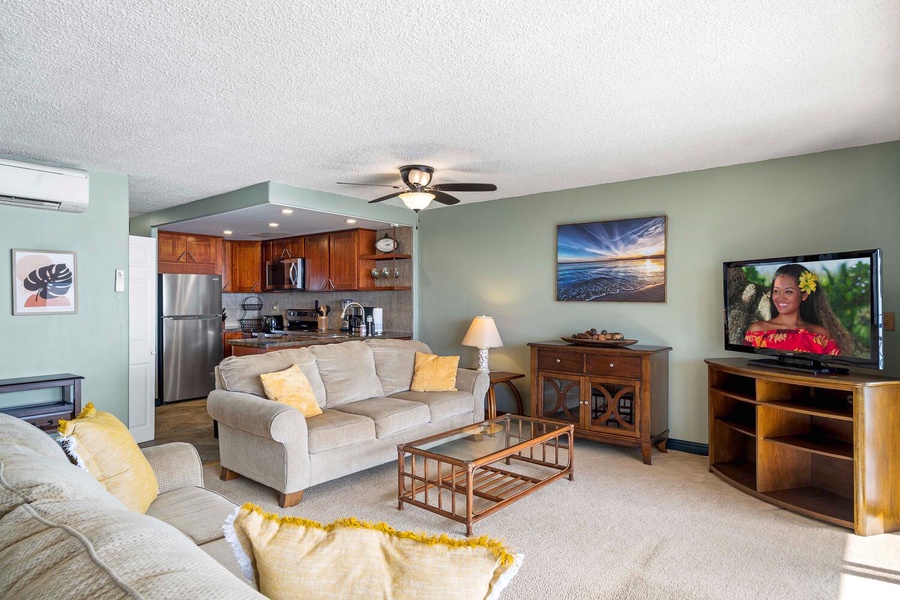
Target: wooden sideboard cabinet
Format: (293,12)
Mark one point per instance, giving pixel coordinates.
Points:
(612,395)
(825,446)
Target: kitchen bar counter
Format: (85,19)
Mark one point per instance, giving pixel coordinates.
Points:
(259,345)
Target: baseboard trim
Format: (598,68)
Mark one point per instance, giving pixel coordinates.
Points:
(690,447)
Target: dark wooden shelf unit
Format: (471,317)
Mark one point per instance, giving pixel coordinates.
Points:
(45,415)
(826,446)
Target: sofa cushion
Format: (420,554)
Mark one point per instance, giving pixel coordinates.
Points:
(434,373)
(80,549)
(390,414)
(395,362)
(16,432)
(241,373)
(291,387)
(441,404)
(334,429)
(194,511)
(371,559)
(26,476)
(348,372)
(104,447)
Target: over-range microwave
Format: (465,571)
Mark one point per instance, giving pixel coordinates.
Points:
(286,274)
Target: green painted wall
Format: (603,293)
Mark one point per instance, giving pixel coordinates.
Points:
(94,342)
(499,258)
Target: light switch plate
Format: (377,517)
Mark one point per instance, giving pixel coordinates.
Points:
(120,280)
(888,321)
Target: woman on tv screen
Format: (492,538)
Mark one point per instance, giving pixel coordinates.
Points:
(802,319)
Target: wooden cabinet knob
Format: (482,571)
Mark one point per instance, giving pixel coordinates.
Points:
(557,360)
(611,365)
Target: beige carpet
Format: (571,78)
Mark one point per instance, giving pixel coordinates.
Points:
(624,530)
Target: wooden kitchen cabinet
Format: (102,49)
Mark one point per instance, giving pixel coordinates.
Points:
(188,253)
(230,335)
(333,259)
(243,267)
(283,248)
(612,395)
(343,260)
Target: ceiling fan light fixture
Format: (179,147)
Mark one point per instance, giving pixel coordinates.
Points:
(419,177)
(416,200)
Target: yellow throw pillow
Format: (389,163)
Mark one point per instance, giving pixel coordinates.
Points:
(434,373)
(291,387)
(291,557)
(103,446)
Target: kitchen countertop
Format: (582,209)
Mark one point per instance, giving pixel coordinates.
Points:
(295,339)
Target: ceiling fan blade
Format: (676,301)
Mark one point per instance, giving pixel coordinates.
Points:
(443,198)
(383,198)
(396,187)
(466,187)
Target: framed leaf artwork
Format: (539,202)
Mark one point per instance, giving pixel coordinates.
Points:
(45,282)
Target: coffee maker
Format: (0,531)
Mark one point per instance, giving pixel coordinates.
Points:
(374,316)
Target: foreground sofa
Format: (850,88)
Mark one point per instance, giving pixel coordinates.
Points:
(62,535)
(363,388)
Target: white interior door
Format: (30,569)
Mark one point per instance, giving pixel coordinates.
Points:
(141,337)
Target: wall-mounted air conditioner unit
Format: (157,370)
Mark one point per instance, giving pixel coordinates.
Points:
(42,186)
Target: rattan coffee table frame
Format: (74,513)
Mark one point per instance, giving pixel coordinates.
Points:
(482,478)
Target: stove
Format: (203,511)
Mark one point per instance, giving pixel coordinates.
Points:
(300,319)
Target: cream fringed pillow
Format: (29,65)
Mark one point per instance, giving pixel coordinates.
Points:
(434,373)
(291,557)
(103,446)
(291,387)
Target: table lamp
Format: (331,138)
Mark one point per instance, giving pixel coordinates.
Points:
(482,334)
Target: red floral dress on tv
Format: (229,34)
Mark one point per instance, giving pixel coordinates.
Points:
(793,340)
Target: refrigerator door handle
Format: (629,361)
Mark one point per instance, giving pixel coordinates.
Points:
(191,317)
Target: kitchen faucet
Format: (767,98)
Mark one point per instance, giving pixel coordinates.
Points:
(359,325)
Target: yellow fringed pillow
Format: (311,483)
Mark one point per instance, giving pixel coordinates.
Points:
(103,446)
(356,559)
(434,373)
(291,387)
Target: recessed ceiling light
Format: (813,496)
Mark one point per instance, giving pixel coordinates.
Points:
(287,211)
(351,220)
(273,224)
(227,232)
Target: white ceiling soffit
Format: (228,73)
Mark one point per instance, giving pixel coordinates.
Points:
(192,99)
(255,223)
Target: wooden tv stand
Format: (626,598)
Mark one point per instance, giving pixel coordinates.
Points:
(825,446)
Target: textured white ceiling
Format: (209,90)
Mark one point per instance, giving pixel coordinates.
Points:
(195,98)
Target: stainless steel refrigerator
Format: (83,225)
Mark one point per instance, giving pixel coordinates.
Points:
(190,335)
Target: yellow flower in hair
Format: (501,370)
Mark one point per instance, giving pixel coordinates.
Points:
(808,282)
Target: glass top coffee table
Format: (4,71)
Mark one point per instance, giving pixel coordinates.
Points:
(471,472)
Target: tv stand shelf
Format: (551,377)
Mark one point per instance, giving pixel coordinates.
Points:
(825,446)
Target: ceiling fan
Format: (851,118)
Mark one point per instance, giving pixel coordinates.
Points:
(417,193)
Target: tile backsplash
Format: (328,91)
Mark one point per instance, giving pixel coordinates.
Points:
(397,305)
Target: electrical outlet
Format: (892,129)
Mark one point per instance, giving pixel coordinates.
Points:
(888,318)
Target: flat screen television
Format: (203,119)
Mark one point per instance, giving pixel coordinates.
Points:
(807,312)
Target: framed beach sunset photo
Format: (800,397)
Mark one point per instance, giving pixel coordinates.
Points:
(44,282)
(612,261)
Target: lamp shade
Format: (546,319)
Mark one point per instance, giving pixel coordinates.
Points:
(482,333)
(416,200)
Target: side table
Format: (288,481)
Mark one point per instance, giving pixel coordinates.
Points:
(504,377)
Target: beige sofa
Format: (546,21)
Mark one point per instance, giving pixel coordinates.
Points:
(62,535)
(368,409)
